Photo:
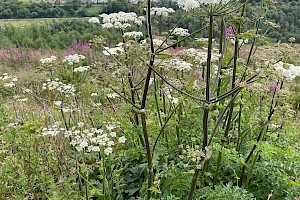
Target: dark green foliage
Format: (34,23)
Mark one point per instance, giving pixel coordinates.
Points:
(222,192)
(57,34)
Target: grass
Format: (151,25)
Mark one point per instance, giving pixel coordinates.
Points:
(29,22)
(94,10)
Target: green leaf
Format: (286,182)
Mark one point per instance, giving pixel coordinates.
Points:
(163,56)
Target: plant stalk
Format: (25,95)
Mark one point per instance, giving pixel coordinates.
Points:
(206,108)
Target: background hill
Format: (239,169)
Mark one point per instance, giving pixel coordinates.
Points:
(283,13)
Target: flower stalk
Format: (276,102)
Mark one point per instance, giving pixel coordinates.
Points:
(206,108)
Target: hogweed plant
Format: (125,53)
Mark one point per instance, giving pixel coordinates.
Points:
(152,118)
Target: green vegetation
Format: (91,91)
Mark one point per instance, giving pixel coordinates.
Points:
(14,9)
(57,34)
(283,14)
(130,110)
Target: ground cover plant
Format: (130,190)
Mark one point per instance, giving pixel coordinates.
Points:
(150,117)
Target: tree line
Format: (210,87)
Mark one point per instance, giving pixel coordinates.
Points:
(285,14)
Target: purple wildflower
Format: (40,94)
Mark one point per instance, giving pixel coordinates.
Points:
(229,31)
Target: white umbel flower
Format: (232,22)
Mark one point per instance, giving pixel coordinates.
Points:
(82,69)
(163,11)
(121,20)
(178,64)
(73,59)
(122,139)
(288,71)
(133,34)
(180,32)
(192,4)
(112,51)
(49,60)
(94,20)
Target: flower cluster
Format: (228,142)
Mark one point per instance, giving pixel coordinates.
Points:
(22,100)
(53,130)
(59,105)
(198,82)
(112,51)
(135,1)
(192,4)
(199,57)
(66,89)
(9,81)
(82,69)
(177,64)
(94,20)
(90,139)
(49,60)
(180,32)
(95,94)
(274,87)
(27,91)
(194,155)
(121,20)
(163,11)
(93,139)
(288,71)
(156,42)
(112,95)
(133,34)
(73,59)
(172,99)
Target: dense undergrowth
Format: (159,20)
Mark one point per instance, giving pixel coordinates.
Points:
(152,117)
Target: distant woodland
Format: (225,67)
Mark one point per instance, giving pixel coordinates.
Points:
(283,13)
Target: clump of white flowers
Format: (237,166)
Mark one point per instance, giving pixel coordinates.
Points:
(56,85)
(52,130)
(192,4)
(198,56)
(135,1)
(73,59)
(163,11)
(133,34)
(8,81)
(177,64)
(94,20)
(288,71)
(156,42)
(180,32)
(95,94)
(82,69)
(57,103)
(113,95)
(49,60)
(113,51)
(121,20)
(171,98)
(89,139)
(22,100)
(27,91)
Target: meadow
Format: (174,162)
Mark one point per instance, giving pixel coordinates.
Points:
(153,114)
(23,23)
